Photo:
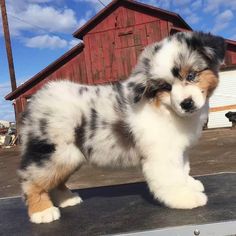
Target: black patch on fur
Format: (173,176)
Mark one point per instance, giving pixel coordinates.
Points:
(131,84)
(117,87)
(37,151)
(156,48)
(175,72)
(180,37)
(200,41)
(89,151)
(93,122)
(43,126)
(82,90)
(123,134)
(136,72)
(25,115)
(97,91)
(80,134)
(120,98)
(150,89)
(146,63)
(138,92)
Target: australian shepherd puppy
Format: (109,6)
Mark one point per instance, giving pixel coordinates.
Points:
(150,119)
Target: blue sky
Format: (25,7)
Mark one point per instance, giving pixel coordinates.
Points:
(41,31)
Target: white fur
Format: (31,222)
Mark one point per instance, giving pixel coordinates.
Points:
(46,216)
(65,198)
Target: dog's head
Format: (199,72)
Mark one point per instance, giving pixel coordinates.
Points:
(190,62)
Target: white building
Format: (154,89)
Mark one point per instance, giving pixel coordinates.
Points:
(223,100)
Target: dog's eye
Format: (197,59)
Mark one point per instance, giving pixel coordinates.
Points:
(191,76)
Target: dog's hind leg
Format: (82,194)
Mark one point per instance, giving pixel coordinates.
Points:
(40,207)
(39,178)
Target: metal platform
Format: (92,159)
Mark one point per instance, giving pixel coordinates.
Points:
(130,210)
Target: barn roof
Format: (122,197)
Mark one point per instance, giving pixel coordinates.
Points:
(130,4)
(46,71)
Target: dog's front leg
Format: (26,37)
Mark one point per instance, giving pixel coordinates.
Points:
(192,182)
(167,180)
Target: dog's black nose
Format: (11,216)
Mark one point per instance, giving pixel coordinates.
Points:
(187,104)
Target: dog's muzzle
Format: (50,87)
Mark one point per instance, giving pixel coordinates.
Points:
(188,105)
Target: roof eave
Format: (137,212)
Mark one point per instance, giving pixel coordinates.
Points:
(48,70)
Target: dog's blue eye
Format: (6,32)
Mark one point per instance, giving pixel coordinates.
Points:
(191,76)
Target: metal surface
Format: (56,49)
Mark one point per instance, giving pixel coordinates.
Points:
(127,209)
(215,229)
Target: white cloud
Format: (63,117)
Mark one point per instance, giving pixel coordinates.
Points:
(196,4)
(214,6)
(35,16)
(46,41)
(227,15)
(95,4)
(233,37)
(182,2)
(50,42)
(73,42)
(192,19)
(222,21)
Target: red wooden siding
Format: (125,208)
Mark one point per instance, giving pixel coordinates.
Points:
(230,58)
(74,71)
(113,46)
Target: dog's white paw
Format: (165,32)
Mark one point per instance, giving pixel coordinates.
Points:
(65,198)
(71,201)
(195,184)
(184,198)
(45,216)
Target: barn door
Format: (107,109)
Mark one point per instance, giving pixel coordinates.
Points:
(99,56)
(129,43)
(112,54)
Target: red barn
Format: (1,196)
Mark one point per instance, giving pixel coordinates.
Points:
(112,41)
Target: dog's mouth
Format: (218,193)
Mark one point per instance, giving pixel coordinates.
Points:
(183,113)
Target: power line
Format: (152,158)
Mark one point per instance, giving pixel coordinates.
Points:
(102,3)
(26,22)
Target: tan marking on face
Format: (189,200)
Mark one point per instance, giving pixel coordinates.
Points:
(207,82)
(158,99)
(184,72)
(37,199)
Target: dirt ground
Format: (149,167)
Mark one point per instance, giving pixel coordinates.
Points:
(216,152)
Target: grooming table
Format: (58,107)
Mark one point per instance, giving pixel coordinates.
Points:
(130,210)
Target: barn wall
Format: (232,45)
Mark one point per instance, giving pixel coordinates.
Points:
(73,70)
(112,47)
(230,58)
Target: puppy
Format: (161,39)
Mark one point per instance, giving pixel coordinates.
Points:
(150,119)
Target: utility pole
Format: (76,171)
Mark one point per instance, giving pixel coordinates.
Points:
(9,53)
(8,44)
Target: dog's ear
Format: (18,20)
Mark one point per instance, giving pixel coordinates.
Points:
(150,88)
(213,47)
